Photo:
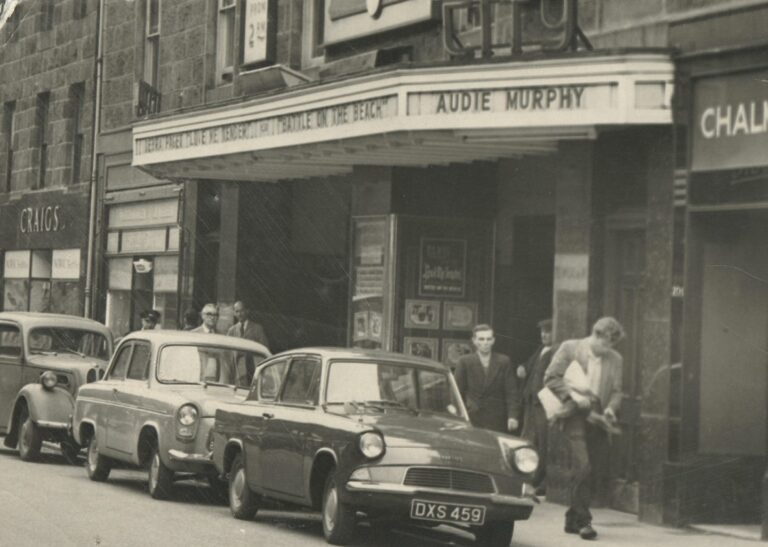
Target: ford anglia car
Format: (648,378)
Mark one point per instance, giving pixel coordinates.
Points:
(44,359)
(354,431)
(156,404)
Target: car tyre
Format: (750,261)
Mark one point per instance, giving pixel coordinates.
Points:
(243,503)
(338,517)
(96,466)
(160,478)
(30,439)
(71,452)
(495,534)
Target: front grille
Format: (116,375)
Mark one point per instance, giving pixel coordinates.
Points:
(451,479)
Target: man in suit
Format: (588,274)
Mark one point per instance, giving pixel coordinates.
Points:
(210,315)
(602,367)
(488,384)
(535,424)
(245,328)
(149,319)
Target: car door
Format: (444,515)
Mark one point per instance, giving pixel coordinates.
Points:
(128,396)
(256,410)
(285,433)
(11,356)
(114,414)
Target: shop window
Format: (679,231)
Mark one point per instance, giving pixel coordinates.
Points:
(41,122)
(16,281)
(225,40)
(76,98)
(313,32)
(152,42)
(9,109)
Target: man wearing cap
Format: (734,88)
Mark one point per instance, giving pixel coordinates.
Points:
(599,396)
(149,319)
(245,328)
(210,315)
(535,424)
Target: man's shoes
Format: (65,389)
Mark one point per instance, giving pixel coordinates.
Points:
(571,528)
(587,532)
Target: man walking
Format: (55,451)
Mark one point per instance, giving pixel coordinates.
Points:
(488,384)
(535,424)
(149,319)
(210,315)
(245,328)
(602,370)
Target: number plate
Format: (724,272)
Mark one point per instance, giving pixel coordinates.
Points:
(447,512)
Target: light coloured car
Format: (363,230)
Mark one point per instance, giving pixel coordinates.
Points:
(155,406)
(353,432)
(44,359)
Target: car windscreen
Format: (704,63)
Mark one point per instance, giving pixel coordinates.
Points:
(191,364)
(62,340)
(377,386)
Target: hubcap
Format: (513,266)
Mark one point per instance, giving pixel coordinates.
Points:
(329,515)
(23,436)
(93,454)
(238,485)
(153,471)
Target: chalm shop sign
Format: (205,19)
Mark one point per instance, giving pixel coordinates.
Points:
(46,218)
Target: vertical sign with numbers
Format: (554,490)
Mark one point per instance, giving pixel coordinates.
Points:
(259,18)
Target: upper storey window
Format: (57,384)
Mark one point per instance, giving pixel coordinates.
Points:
(152,42)
(225,41)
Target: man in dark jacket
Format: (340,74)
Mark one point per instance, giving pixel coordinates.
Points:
(488,384)
(535,424)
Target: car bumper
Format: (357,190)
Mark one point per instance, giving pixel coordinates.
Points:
(395,500)
(191,462)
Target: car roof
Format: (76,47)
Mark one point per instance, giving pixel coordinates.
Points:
(35,319)
(167,336)
(366,354)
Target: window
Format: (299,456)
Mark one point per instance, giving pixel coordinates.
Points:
(302,382)
(76,98)
(10,341)
(41,121)
(121,363)
(46,15)
(313,32)
(225,40)
(9,109)
(269,381)
(196,364)
(152,42)
(139,369)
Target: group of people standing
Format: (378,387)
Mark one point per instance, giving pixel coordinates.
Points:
(499,397)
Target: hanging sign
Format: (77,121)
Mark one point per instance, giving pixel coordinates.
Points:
(259,32)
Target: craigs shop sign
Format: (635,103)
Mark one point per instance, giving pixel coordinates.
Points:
(731,122)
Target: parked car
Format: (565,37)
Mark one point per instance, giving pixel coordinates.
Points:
(156,403)
(44,359)
(387,435)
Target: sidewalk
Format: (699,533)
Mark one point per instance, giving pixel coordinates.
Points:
(614,528)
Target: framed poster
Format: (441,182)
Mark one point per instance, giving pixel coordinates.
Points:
(420,347)
(453,349)
(375,324)
(459,315)
(360,325)
(442,267)
(422,314)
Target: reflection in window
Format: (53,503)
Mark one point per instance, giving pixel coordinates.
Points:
(10,341)
(269,381)
(205,364)
(302,382)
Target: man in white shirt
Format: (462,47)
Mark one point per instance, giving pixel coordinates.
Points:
(210,315)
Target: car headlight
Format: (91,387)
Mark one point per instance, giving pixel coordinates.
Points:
(371,445)
(48,379)
(526,460)
(187,418)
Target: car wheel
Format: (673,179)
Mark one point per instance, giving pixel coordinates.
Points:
(96,465)
(219,489)
(30,440)
(243,503)
(495,534)
(160,477)
(70,451)
(338,517)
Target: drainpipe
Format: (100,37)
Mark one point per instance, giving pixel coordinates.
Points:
(93,183)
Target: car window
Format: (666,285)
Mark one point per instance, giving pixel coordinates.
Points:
(139,367)
(67,340)
(268,382)
(182,364)
(302,382)
(118,370)
(10,341)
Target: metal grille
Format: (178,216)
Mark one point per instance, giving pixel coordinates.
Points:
(451,479)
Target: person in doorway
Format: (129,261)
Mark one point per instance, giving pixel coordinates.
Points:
(149,319)
(488,384)
(191,319)
(210,315)
(245,327)
(588,443)
(535,424)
